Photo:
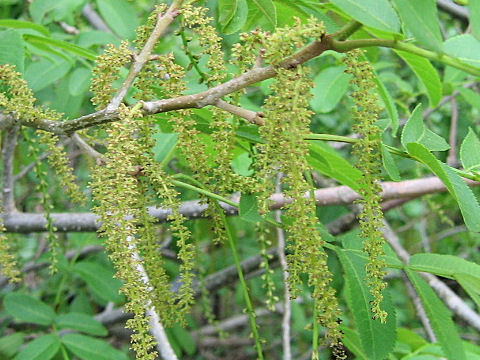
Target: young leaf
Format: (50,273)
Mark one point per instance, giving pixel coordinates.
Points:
(326,161)
(64,45)
(443,265)
(19,24)
(79,81)
(42,348)
(440,318)
(465,48)
(81,322)
(261,9)
(388,102)
(28,309)
(427,75)
(184,339)
(420,19)
(89,348)
(351,340)
(389,164)
(456,186)
(471,284)
(378,14)
(415,131)
(238,19)
(377,339)
(119,16)
(330,85)
(472,97)
(10,344)
(474,10)
(226,10)
(470,152)
(12,49)
(100,280)
(248,208)
(42,73)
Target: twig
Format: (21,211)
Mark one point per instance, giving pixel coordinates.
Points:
(253,117)
(8,152)
(453,9)
(452,300)
(339,195)
(452,159)
(94,19)
(82,144)
(141,59)
(156,328)
(420,310)
(69,29)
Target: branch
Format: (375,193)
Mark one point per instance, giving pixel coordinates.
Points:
(339,195)
(8,152)
(94,19)
(141,59)
(453,9)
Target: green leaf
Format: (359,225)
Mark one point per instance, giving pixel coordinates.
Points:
(238,20)
(415,131)
(248,208)
(456,186)
(81,322)
(164,146)
(19,24)
(79,81)
(184,339)
(28,309)
(470,152)
(39,8)
(42,73)
(325,160)
(351,340)
(378,14)
(443,265)
(472,97)
(427,75)
(89,348)
(420,19)
(440,318)
(330,85)
(100,280)
(471,284)
(226,10)
(388,102)
(287,11)
(42,348)
(12,49)
(119,16)
(259,10)
(377,339)
(389,164)
(10,344)
(64,45)
(474,12)
(88,38)
(465,48)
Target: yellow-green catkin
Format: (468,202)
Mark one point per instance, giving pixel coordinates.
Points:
(117,193)
(17,97)
(287,120)
(106,71)
(367,150)
(8,261)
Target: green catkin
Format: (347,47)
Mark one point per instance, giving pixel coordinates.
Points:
(267,277)
(106,71)
(117,191)
(8,261)
(367,150)
(17,97)
(287,120)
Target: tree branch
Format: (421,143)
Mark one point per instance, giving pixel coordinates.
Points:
(8,152)
(339,195)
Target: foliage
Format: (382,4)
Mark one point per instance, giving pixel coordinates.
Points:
(199,134)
